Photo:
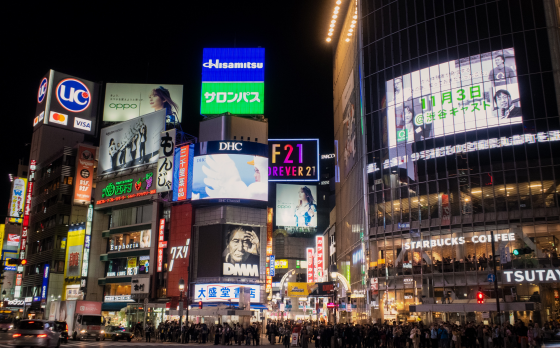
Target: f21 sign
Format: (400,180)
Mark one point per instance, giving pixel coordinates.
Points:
(293,160)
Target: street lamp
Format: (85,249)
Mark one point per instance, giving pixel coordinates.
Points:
(181,289)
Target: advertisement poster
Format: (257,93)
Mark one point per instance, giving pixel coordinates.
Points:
(230,178)
(476,92)
(164,180)
(85,163)
(296,205)
(130,144)
(293,160)
(125,101)
(241,254)
(17,200)
(74,250)
(350,125)
(225,292)
(13,240)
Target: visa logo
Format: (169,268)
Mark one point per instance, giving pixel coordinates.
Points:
(81,123)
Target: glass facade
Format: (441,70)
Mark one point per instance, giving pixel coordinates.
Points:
(462,125)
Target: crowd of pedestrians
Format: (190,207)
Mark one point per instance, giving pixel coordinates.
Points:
(418,335)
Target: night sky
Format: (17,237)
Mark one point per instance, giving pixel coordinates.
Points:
(162,42)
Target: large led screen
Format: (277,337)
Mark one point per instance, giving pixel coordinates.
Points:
(472,93)
(132,143)
(296,205)
(293,160)
(229,171)
(125,101)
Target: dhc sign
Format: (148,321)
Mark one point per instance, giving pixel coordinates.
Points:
(233,65)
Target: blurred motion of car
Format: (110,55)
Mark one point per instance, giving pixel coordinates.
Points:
(35,333)
(62,327)
(116,333)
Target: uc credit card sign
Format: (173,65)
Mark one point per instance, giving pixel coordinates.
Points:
(243,98)
(232,81)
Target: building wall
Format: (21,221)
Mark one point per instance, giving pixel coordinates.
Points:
(507,189)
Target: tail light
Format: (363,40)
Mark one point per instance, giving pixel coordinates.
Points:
(16,335)
(42,335)
(66,327)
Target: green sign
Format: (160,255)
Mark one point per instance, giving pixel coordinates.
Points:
(125,186)
(239,98)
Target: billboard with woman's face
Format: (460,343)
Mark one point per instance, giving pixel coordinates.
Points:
(296,205)
(131,144)
(125,101)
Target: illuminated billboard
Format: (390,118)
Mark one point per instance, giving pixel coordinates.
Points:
(230,250)
(230,171)
(296,205)
(237,98)
(232,81)
(293,160)
(476,92)
(125,101)
(131,144)
(74,250)
(66,101)
(17,200)
(224,292)
(85,162)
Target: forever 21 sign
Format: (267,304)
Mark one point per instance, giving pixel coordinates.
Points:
(293,160)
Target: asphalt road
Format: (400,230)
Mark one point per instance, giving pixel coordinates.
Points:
(5,339)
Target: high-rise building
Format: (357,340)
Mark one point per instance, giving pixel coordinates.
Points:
(457,115)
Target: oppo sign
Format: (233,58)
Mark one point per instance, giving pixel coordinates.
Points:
(458,241)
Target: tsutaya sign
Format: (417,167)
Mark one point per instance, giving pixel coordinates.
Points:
(458,241)
(533,275)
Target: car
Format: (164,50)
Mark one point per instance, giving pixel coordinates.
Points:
(62,327)
(35,333)
(116,333)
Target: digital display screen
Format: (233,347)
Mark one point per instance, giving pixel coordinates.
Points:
(229,171)
(293,160)
(476,92)
(296,205)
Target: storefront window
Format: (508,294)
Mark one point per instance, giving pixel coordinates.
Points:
(134,240)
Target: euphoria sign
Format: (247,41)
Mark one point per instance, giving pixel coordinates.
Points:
(293,160)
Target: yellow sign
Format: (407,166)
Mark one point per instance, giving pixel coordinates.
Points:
(299,289)
(74,255)
(132,262)
(281,264)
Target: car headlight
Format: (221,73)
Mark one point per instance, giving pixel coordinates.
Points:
(83,331)
(11,327)
(102,331)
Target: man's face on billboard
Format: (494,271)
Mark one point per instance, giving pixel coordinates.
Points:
(239,245)
(502,100)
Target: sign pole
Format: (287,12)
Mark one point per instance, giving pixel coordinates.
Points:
(495,278)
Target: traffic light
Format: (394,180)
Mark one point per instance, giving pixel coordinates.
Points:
(200,304)
(522,251)
(479,297)
(17,262)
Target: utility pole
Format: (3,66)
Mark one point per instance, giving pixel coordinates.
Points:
(495,279)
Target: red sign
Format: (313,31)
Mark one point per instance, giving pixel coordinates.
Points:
(179,248)
(319,243)
(18,279)
(160,250)
(26,211)
(310,273)
(88,307)
(183,173)
(162,245)
(84,174)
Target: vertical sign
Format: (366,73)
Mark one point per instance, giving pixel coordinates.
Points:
(45,285)
(17,200)
(310,273)
(87,242)
(319,243)
(27,210)
(272,265)
(160,245)
(269,219)
(85,163)
(165,162)
(182,173)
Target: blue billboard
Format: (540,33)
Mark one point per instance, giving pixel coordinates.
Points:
(182,173)
(233,65)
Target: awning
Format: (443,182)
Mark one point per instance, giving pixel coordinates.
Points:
(113,306)
(235,305)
